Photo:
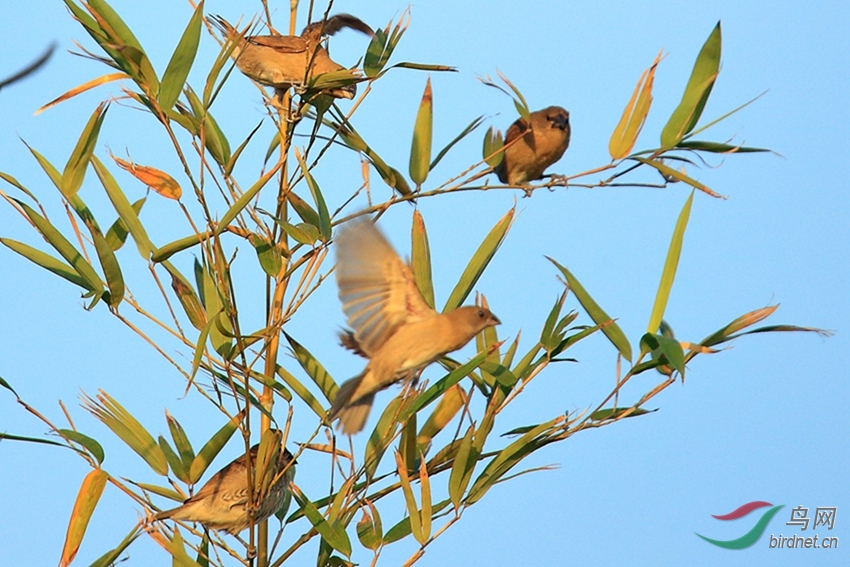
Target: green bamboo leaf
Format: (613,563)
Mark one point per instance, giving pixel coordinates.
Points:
(116,236)
(697,91)
(214,138)
(442,385)
(423,67)
(174,461)
(549,338)
(625,134)
(472,126)
(243,201)
(87,499)
(232,163)
(505,460)
(181,441)
(109,264)
(302,232)
(445,411)
(314,369)
(612,413)
(382,435)
(369,528)
(493,142)
(91,445)
(420,258)
(462,468)
(671,264)
(112,556)
(75,169)
(126,211)
(212,448)
(49,169)
(221,331)
(302,392)
(267,253)
(670,349)
(11,437)
(187,297)
(669,172)
(181,60)
(336,537)
(410,501)
(717,148)
(599,316)
(112,23)
(15,183)
(65,249)
(479,262)
(324,225)
(47,262)
(420,149)
(177,549)
(128,429)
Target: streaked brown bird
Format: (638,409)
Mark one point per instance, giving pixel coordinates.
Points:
(392,325)
(282,61)
(222,503)
(542,144)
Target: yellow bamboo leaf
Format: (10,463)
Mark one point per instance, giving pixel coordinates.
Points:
(87,499)
(83,88)
(157,180)
(625,135)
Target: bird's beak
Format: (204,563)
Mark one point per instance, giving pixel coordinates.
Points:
(494,320)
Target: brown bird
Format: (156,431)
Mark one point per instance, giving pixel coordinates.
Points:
(392,325)
(222,503)
(282,61)
(542,145)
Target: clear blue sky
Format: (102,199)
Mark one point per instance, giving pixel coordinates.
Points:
(765,420)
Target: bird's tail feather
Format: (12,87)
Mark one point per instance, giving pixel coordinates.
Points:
(352,413)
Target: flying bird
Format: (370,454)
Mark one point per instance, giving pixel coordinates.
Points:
(543,143)
(284,61)
(223,502)
(391,323)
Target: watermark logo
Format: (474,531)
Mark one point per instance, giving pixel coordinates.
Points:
(751,536)
(824,517)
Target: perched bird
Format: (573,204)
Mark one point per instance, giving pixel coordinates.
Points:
(392,325)
(282,61)
(222,503)
(542,145)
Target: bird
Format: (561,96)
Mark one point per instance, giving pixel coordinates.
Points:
(282,61)
(391,323)
(542,144)
(222,503)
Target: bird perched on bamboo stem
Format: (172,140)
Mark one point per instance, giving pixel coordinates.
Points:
(545,138)
(392,324)
(223,502)
(284,61)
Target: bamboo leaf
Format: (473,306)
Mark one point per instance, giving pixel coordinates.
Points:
(91,445)
(420,149)
(47,262)
(302,392)
(212,448)
(697,91)
(669,348)
(614,413)
(125,210)
(671,264)
(462,467)
(479,262)
(369,529)
(65,248)
(128,429)
(75,169)
(87,499)
(599,316)
(314,369)
(116,236)
(324,225)
(336,538)
(161,182)
(420,258)
(181,61)
(493,142)
(625,135)
(669,172)
(472,126)
(109,264)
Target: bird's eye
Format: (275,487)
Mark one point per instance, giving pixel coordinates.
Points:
(481,313)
